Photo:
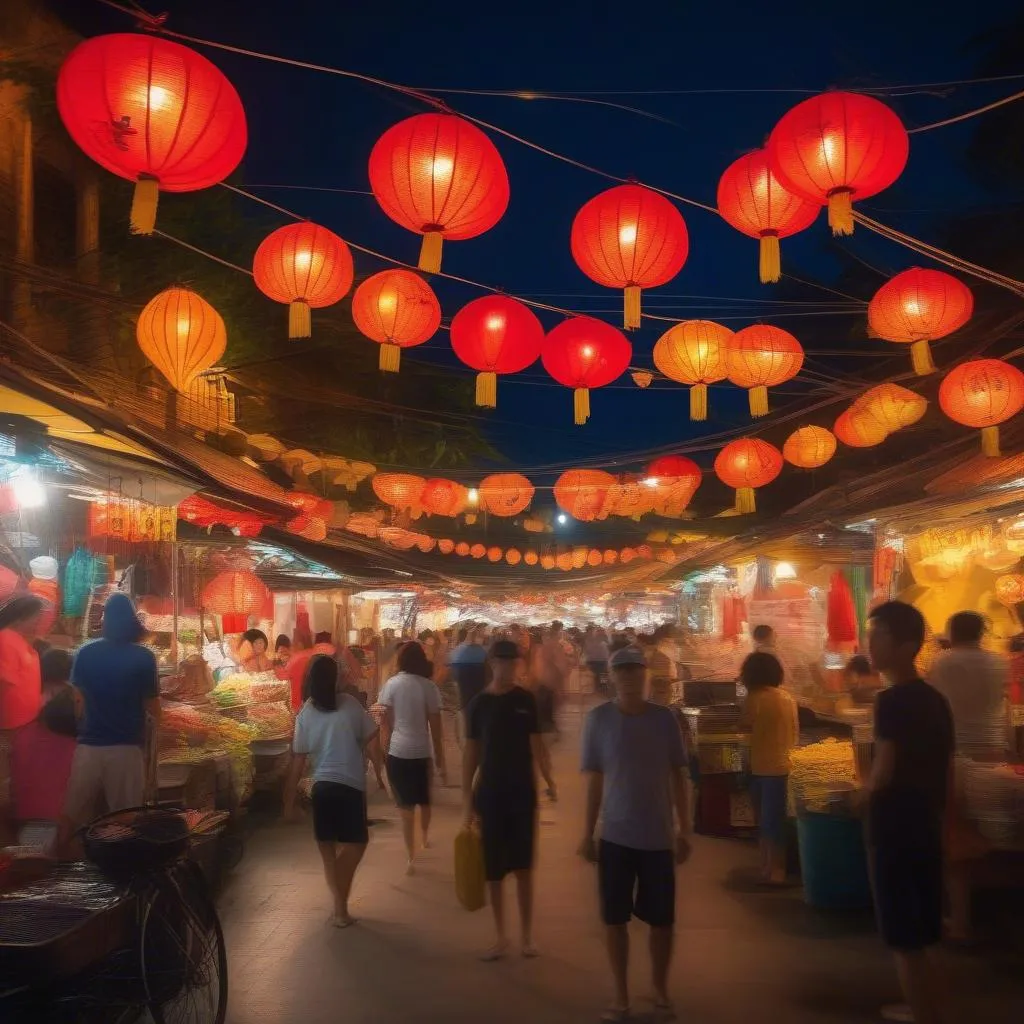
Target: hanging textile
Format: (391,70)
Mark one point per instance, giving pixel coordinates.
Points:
(79,579)
(734,614)
(764,581)
(886,563)
(842,616)
(857,578)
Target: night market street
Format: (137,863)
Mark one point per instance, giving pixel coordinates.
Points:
(742,954)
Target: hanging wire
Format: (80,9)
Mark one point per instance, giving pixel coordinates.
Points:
(968,114)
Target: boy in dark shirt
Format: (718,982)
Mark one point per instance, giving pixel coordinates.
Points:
(906,802)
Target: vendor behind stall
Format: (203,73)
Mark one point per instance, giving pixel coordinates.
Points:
(251,652)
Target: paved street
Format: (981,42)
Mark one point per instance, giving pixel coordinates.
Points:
(743,955)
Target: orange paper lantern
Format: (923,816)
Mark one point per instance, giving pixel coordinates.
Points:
(531,558)
(513,556)
(893,406)
(505,494)
(610,556)
(397,309)
(477,551)
(441,177)
(398,537)
(982,394)
(235,593)
(674,479)
(1010,589)
(752,200)
(494,554)
(364,524)
(745,465)
(182,335)
(583,493)
(594,558)
(857,428)
(694,352)
(305,266)
(442,497)
(759,357)
(547,561)
(399,490)
(809,447)
(446,546)
(462,549)
(627,555)
(630,237)
(630,497)
(425,543)
(564,561)
(917,307)
(642,378)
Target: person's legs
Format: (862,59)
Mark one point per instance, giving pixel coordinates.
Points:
(617,939)
(773,826)
(495,892)
(493,839)
(345,863)
(408,815)
(617,878)
(124,777)
(524,894)
(85,785)
(661,957)
(425,816)
(656,905)
(923,987)
(329,858)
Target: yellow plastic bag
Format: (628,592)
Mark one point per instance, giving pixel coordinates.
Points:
(470,883)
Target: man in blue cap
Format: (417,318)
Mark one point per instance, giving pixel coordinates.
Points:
(635,762)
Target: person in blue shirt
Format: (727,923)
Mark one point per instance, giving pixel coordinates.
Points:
(116,686)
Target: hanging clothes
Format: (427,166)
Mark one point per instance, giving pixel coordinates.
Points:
(842,615)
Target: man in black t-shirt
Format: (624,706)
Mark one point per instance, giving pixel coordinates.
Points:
(503,752)
(906,803)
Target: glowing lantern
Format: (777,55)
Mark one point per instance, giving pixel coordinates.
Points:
(893,406)
(444,497)
(531,558)
(547,561)
(307,267)
(579,557)
(982,394)
(399,490)
(505,494)
(809,447)
(313,515)
(759,357)
(441,177)
(594,558)
(642,378)
(203,512)
(364,524)
(182,335)
(494,554)
(838,147)
(495,334)
(610,557)
(630,237)
(154,112)
(583,493)
(1010,589)
(235,593)
(630,497)
(397,309)
(627,555)
(425,543)
(397,537)
(583,353)
(644,551)
(745,465)
(477,551)
(857,428)
(462,549)
(693,352)
(564,561)
(919,306)
(513,556)
(445,546)
(674,479)
(752,200)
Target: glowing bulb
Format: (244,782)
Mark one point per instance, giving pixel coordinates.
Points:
(651,481)
(627,234)
(159,98)
(441,166)
(303,258)
(562,519)
(785,571)
(28,491)
(495,322)
(830,148)
(911,307)
(387,301)
(587,351)
(474,495)
(184,323)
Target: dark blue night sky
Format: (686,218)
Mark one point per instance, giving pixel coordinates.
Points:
(314,129)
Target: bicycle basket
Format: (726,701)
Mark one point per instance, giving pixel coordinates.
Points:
(132,842)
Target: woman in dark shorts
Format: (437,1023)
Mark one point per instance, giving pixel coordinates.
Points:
(412,721)
(333,731)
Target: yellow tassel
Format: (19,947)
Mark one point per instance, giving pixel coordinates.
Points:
(487,390)
(745,503)
(300,319)
(581,405)
(631,307)
(142,219)
(390,357)
(990,442)
(771,264)
(840,212)
(430,252)
(699,402)
(921,357)
(759,401)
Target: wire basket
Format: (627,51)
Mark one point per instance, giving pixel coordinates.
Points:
(132,842)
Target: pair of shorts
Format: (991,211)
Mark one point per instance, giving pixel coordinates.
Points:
(104,779)
(908,887)
(636,883)
(339,814)
(508,833)
(768,794)
(410,780)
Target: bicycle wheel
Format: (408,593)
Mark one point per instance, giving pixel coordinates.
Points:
(184,961)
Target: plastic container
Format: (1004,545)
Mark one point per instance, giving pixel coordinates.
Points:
(833,862)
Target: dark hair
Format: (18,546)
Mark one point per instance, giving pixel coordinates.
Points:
(323,637)
(321,682)
(412,658)
(759,670)
(252,635)
(425,635)
(859,665)
(41,646)
(903,621)
(966,628)
(55,666)
(282,641)
(20,609)
(762,634)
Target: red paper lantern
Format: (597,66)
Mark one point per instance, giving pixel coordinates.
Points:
(838,147)
(594,558)
(630,237)
(630,497)
(398,537)
(760,357)
(583,353)
(531,558)
(397,309)
(494,554)
(752,200)
(674,479)
(307,267)
(445,546)
(513,556)
(893,406)
(425,543)
(154,112)
(399,490)
(462,549)
(313,516)
(441,177)
(841,617)
(477,551)
(610,556)
(235,593)
(444,497)
(505,494)
(644,551)
(583,493)
(693,352)
(495,334)
(809,447)
(745,465)
(627,555)
(982,394)
(919,306)
(564,561)
(857,428)
(203,512)
(363,524)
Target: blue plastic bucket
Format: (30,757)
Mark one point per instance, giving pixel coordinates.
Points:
(833,862)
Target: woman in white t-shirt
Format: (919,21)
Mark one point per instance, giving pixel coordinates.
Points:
(333,731)
(411,722)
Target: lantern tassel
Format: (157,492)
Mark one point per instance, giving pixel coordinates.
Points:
(631,307)
(745,503)
(840,211)
(430,252)
(300,319)
(990,442)
(142,218)
(771,263)
(581,405)
(487,390)
(759,401)
(921,357)
(390,357)
(699,402)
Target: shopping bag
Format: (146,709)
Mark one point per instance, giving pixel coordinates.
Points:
(469,870)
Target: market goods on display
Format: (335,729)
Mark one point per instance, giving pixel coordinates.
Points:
(819,771)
